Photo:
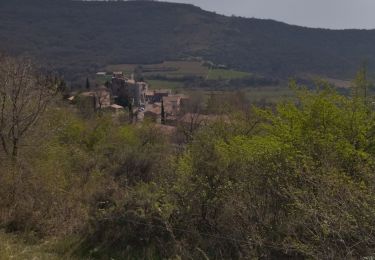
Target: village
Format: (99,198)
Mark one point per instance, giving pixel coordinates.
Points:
(122,95)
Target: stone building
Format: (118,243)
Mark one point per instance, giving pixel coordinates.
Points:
(100,97)
(128,90)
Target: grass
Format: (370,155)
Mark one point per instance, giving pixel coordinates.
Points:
(13,247)
(21,248)
(217,74)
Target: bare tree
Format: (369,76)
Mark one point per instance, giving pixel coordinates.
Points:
(24,96)
(190,117)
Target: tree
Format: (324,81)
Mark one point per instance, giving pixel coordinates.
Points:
(131,114)
(191,117)
(361,84)
(24,96)
(138,73)
(87,84)
(162,112)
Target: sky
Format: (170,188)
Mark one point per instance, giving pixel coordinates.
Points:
(333,14)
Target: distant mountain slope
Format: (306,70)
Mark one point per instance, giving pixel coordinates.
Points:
(84,36)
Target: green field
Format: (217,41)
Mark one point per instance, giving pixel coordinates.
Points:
(173,69)
(179,69)
(218,74)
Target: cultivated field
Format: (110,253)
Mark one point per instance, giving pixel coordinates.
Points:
(171,69)
(171,74)
(180,69)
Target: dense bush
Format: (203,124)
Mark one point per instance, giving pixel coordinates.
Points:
(295,181)
(301,185)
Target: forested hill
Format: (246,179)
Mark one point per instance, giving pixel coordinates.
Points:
(82,36)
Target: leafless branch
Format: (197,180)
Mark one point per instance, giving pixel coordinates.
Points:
(24,96)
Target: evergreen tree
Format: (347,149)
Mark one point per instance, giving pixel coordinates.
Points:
(162,113)
(130,106)
(138,73)
(107,84)
(87,84)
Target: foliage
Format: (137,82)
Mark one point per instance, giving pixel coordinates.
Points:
(300,185)
(290,181)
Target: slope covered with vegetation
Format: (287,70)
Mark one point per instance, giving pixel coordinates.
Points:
(292,181)
(78,37)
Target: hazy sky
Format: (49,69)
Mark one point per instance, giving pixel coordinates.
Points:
(336,14)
